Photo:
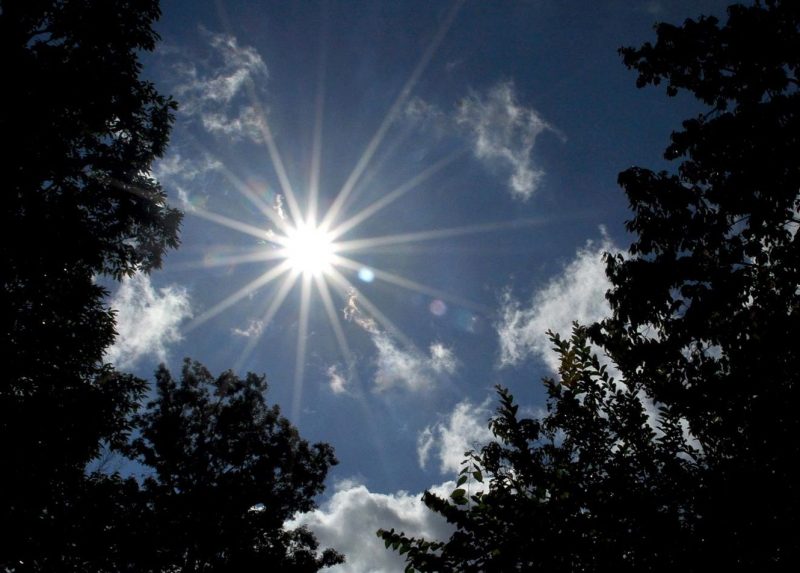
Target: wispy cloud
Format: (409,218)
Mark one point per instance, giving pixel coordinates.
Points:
(577,294)
(248,124)
(465,428)
(254,328)
(427,115)
(176,166)
(503,131)
(442,358)
(349,519)
(397,366)
(336,380)
(214,89)
(278,207)
(147,320)
(410,368)
(181,173)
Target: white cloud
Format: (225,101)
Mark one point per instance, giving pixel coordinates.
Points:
(397,366)
(349,520)
(466,428)
(248,124)
(577,294)
(254,328)
(503,131)
(336,381)
(408,367)
(353,313)
(442,358)
(277,206)
(175,166)
(214,89)
(147,320)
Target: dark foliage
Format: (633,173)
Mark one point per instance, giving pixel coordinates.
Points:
(715,275)
(588,487)
(80,131)
(226,472)
(704,324)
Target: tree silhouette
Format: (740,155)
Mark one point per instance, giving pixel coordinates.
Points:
(591,486)
(716,272)
(704,324)
(226,471)
(81,130)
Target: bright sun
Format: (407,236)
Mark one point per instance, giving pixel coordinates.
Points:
(309,250)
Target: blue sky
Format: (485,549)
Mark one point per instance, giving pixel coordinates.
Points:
(472,151)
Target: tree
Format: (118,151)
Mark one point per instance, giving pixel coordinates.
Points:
(716,272)
(704,324)
(591,486)
(81,130)
(226,472)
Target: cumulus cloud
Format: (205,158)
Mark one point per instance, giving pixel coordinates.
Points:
(504,131)
(397,366)
(147,320)
(465,428)
(214,89)
(577,294)
(349,519)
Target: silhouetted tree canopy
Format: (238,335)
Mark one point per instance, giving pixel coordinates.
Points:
(704,332)
(226,472)
(220,473)
(715,274)
(591,486)
(80,131)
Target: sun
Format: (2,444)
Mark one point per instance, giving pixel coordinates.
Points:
(309,250)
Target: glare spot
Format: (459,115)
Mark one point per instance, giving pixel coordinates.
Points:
(366,275)
(438,307)
(309,250)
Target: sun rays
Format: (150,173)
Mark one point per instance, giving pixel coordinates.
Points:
(312,247)
(324,266)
